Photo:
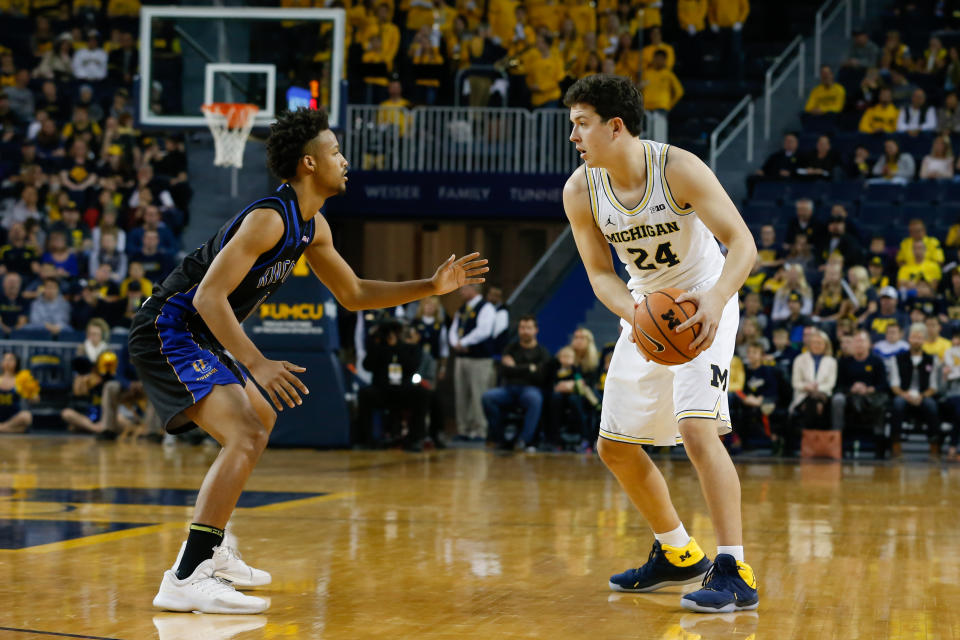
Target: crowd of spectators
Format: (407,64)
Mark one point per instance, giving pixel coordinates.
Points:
(90,209)
(843,332)
(541,46)
(512,394)
(900,94)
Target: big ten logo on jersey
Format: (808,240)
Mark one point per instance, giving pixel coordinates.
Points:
(277,273)
(720,377)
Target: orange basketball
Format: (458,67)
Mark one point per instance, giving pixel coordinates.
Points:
(654,323)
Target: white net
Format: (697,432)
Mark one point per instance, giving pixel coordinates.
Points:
(230,124)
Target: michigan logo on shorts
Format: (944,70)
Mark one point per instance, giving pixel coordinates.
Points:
(719,377)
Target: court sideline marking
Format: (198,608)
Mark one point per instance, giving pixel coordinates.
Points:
(155,528)
(54,633)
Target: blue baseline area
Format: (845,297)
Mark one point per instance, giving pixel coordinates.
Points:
(164,497)
(22,533)
(566,309)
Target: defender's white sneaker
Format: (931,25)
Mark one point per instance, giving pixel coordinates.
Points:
(204,592)
(234,569)
(242,575)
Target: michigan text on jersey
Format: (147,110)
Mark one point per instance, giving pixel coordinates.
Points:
(643,231)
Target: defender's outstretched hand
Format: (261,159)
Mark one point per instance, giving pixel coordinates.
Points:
(453,273)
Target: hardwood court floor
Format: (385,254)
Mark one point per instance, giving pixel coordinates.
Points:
(464,544)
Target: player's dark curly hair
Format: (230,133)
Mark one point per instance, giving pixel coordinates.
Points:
(611,97)
(289,136)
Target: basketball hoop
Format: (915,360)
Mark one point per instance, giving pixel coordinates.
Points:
(230,123)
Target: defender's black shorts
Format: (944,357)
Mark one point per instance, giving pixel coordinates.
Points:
(177,367)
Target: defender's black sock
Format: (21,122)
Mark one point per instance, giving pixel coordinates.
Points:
(200,543)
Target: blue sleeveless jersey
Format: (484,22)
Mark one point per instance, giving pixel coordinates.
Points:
(175,293)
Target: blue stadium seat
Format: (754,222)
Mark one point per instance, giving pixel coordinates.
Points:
(819,124)
(772,191)
(883,192)
(846,190)
(948,212)
(71,335)
(807,141)
(816,190)
(760,213)
(917,146)
(881,214)
(924,191)
(952,192)
(30,334)
(926,212)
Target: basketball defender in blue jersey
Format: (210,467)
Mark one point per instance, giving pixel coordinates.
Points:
(186,342)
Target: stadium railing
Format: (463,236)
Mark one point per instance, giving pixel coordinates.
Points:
(718,146)
(772,85)
(467,139)
(824,20)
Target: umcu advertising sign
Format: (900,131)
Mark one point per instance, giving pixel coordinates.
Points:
(302,312)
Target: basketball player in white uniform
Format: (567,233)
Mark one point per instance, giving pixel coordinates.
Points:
(662,208)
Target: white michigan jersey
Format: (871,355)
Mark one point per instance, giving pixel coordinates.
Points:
(662,244)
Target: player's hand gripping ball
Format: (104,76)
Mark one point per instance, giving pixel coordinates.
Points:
(655,320)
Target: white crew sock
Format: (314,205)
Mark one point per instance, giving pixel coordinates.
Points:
(676,538)
(736,552)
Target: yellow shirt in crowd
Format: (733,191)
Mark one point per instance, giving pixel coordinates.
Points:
(646,58)
(394,112)
(21,7)
(661,90)
(726,13)
(503,18)
(879,118)
(389,39)
(419,13)
(692,12)
(934,251)
(544,73)
(938,347)
(426,56)
(546,14)
(628,64)
(584,16)
(146,287)
(472,12)
(123,8)
(651,13)
(927,270)
(827,100)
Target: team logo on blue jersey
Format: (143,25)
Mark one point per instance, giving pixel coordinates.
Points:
(201,366)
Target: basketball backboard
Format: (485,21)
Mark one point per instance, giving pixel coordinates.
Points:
(190,56)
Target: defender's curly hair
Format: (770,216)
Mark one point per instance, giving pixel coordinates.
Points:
(611,97)
(288,137)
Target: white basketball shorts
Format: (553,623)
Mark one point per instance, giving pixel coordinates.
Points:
(643,401)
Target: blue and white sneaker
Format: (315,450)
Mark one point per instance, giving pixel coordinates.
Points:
(666,566)
(729,586)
